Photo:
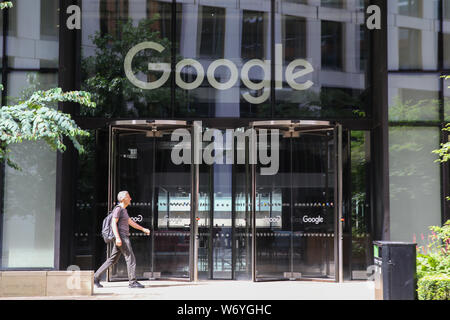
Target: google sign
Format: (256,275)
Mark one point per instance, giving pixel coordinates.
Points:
(294,71)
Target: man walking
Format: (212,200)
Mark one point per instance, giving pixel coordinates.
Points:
(120,225)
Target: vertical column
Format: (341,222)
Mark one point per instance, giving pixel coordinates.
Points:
(392,10)
(429,37)
(313,44)
(350,41)
(380,133)
(188,47)
(69,56)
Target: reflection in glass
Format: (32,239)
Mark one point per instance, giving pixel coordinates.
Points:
(414,98)
(339,80)
(161,202)
(105,45)
(361,257)
(220,59)
(411,8)
(295,211)
(28,237)
(414,182)
(413,35)
(33,34)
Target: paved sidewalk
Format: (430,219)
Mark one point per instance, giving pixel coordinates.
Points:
(230,290)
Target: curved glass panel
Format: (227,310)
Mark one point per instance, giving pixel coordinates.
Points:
(295,213)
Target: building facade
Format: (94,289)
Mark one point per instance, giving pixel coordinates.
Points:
(354,111)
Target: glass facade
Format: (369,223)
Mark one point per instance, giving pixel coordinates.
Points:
(30,49)
(228,60)
(229,64)
(416,112)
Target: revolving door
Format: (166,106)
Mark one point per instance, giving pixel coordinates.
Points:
(296,215)
(140,163)
(230,219)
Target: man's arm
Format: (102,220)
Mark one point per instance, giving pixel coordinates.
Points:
(116,231)
(138,227)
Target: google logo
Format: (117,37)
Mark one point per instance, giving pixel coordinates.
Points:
(294,71)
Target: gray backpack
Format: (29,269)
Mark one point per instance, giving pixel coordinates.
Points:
(107,231)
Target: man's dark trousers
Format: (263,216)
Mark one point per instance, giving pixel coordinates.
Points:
(116,252)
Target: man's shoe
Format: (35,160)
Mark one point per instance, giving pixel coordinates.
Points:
(97,283)
(136,285)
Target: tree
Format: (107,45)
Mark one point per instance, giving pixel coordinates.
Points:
(35,119)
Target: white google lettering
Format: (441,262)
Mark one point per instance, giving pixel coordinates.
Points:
(273,219)
(291,74)
(139,218)
(315,220)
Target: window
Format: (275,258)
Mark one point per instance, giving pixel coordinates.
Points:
(332,45)
(49,19)
(332,3)
(253,34)
(29,196)
(415,190)
(294,37)
(411,8)
(410,49)
(212,31)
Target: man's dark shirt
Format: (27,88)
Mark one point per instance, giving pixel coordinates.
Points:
(122,225)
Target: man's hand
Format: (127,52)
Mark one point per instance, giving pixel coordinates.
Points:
(146,231)
(118,242)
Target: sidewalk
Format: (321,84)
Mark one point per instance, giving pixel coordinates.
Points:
(228,290)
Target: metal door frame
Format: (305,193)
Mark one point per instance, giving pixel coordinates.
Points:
(306,126)
(153,127)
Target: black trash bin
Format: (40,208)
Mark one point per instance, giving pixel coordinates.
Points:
(395,270)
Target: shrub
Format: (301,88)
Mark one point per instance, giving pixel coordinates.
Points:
(435,258)
(434,287)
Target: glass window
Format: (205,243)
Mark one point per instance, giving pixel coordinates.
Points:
(446,45)
(446,33)
(415,190)
(226,73)
(33,34)
(332,3)
(212,31)
(322,71)
(413,42)
(217,63)
(109,32)
(414,97)
(360,204)
(446,88)
(410,48)
(332,45)
(254,26)
(446,9)
(294,38)
(29,195)
(411,8)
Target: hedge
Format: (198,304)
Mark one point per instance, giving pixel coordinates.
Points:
(434,287)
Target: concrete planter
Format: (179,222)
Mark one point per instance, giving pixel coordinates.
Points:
(46,283)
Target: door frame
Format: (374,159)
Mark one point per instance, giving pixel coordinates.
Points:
(152,128)
(306,126)
(292,126)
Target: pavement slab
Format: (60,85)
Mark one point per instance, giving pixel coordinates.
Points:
(227,290)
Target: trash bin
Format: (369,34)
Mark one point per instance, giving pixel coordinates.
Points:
(395,270)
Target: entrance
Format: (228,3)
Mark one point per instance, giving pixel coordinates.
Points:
(296,210)
(140,162)
(228,221)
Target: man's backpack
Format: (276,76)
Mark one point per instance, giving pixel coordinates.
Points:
(107,231)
